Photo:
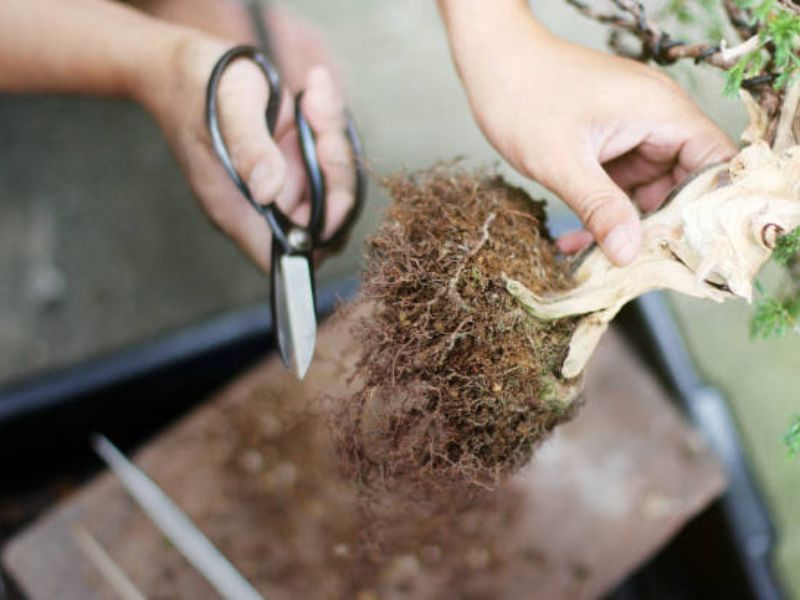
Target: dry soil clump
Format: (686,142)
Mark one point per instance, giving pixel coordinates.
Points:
(460,384)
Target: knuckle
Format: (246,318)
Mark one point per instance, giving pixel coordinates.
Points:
(594,208)
(717,150)
(257,164)
(242,78)
(334,150)
(530,163)
(245,156)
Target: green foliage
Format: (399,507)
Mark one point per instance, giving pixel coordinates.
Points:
(779,40)
(771,319)
(776,57)
(792,437)
(774,317)
(782,28)
(761,8)
(778,24)
(748,66)
(787,247)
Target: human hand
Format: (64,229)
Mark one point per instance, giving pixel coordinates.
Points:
(600,131)
(272,167)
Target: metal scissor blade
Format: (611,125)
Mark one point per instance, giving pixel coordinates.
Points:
(176,526)
(295,312)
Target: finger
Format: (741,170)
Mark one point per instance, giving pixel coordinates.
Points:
(635,169)
(323,103)
(252,234)
(651,195)
(337,164)
(323,106)
(242,98)
(297,45)
(237,219)
(574,241)
(293,193)
(706,144)
(679,173)
(338,210)
(603,208)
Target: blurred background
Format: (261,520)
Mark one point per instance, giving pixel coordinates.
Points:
(102,245)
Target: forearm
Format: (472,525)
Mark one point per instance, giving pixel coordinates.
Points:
(491,37)
(227,19)
(476,27)
(93,47)
(462,13)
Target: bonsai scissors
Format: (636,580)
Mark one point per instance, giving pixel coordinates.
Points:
(292,290)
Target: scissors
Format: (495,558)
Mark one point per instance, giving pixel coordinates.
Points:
(292,289)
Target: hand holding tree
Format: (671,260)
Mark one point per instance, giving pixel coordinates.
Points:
(607,134)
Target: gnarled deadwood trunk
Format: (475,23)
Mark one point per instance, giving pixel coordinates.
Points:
(709,240)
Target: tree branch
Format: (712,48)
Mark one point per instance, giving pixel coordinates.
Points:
(630,20)
(740,18)
(657,44)
(790,6)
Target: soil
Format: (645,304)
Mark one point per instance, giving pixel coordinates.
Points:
(460,384)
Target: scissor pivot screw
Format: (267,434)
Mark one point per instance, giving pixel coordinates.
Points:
(299,240)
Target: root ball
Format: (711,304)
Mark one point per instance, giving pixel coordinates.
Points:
(459,383)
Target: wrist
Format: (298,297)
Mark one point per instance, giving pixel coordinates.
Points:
(174,58)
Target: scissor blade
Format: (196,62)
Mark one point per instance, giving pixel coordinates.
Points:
(176,526)
(297,319)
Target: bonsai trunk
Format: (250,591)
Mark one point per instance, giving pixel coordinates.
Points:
(709,239)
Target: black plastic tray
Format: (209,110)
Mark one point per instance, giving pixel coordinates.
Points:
(726,552)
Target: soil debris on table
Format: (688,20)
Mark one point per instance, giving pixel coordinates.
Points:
(460,384)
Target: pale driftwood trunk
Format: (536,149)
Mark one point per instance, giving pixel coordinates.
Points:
(709,240)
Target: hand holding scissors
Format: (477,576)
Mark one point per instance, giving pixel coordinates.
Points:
(293,244)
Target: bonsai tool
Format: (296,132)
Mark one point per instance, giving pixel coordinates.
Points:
(292,290)
(176,525)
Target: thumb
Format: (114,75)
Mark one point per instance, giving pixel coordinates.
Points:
(604,209)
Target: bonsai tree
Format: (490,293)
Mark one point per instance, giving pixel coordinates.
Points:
(479,334)
(755,44)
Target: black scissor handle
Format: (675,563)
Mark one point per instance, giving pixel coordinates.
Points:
(314,174)
(339,237)
(212,116)
(316,178)
(280,225)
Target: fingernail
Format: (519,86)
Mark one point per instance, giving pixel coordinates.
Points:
(621,244)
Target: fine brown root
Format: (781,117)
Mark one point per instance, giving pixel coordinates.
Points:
(459,383)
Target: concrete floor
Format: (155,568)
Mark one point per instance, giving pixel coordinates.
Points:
(101,244)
